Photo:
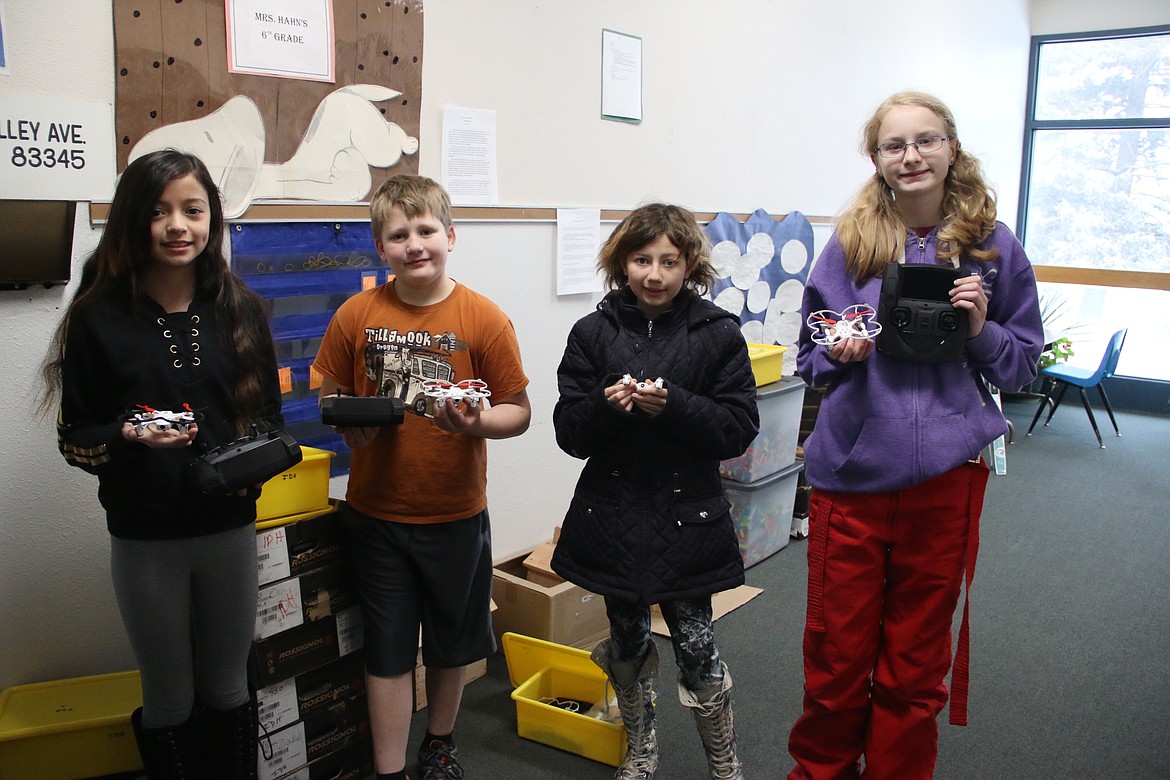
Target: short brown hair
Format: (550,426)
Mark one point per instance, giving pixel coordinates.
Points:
(415,195)
(643,226)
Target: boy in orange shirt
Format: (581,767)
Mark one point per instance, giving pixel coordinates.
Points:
(416,503)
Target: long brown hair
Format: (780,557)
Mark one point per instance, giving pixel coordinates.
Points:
(122,257)
(870,230)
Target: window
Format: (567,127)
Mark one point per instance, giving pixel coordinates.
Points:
(1095,193)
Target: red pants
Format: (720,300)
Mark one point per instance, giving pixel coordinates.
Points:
(885,572)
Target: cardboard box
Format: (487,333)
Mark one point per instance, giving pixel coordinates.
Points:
(780,405)
(474,672)
(354,761)
(762,513)
(542,671)
(564,613)
(71,728)
(290,549)
(539,566)
(721,603)
(312,596)
(295,746)
(306,647)
(283,703)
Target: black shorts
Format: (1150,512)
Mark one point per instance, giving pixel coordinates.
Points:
(437,576)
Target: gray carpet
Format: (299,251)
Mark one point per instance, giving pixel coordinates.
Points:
(1070,632)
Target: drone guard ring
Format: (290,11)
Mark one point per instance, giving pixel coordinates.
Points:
(858,321)
(147,417)
(469,391)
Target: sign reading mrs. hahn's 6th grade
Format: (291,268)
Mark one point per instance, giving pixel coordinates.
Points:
(56,149)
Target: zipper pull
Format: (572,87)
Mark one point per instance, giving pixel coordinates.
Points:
(921,243)
(649,329)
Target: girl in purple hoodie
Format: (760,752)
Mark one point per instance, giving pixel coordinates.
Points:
(894,459)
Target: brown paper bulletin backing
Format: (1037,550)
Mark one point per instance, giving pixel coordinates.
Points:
(171,66)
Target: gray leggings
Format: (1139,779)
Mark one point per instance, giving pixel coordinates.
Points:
(692,633)
(189,608)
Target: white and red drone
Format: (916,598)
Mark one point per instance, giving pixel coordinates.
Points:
(159,419)
(469,391)
(855,322)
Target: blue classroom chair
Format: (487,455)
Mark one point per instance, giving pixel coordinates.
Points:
(1062,376)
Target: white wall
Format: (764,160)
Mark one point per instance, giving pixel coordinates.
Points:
(1053,17)
(747,105)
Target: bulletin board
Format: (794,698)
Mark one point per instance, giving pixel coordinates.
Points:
(171,66)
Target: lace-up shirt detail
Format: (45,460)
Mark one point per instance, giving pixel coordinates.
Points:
(181,332)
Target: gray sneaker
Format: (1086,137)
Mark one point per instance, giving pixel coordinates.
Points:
(439,760)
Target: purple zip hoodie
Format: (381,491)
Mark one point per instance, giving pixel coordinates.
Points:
(887,424)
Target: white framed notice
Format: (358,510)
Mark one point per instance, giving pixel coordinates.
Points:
(621,76)
(290,39)
(56,149)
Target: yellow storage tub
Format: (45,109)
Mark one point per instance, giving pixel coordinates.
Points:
(546,670)
(303,488)
(276,522)
(68,729)
(767,362)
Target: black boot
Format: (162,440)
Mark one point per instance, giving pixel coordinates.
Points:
(169,753)
(229,741)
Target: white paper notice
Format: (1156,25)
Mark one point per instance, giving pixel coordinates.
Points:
(578,238)
(469,156)
(293,39)
(621,76)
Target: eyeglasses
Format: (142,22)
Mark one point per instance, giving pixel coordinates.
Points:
(931,143)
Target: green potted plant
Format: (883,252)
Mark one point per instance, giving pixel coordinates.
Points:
(1058,352)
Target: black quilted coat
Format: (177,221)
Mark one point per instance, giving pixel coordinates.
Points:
(649,521)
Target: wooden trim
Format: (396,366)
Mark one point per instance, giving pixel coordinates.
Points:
(360,212)
(1099,277)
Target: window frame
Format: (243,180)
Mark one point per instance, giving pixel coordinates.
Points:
(1139,394)
(1071,274)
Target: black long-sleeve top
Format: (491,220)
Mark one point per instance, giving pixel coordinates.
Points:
(118,356)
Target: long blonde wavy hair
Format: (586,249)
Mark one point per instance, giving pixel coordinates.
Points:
(872,233)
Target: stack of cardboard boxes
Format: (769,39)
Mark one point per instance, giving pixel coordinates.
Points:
(306,659)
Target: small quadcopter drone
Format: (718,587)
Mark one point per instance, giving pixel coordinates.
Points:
(469,391)
(161,420)
(855,322)
(629,380)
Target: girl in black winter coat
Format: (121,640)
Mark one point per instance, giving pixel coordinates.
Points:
(655,389)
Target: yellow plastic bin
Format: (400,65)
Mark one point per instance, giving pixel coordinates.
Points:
(303,488)
(68,729)
(767,362)
(546,670)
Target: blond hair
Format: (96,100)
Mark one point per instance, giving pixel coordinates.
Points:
(415,195)
(870,230)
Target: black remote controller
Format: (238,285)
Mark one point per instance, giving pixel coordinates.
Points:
(361,411)
(245,462)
